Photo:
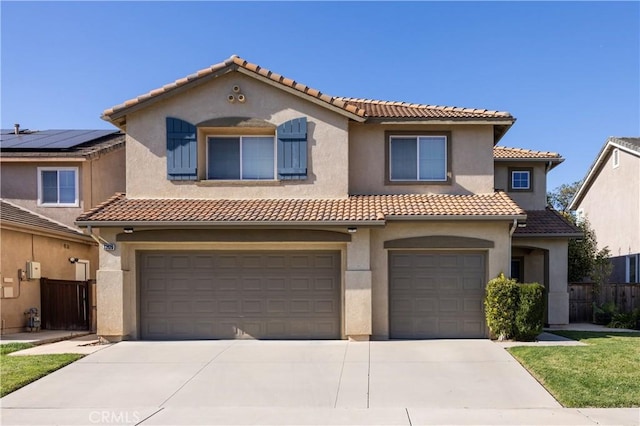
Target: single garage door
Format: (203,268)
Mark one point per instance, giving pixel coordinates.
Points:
(240,294)
(436,294)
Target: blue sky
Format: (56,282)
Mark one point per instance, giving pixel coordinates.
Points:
(569,72)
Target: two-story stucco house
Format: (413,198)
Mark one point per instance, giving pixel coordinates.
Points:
(48,178)
(258,207)
(609,198)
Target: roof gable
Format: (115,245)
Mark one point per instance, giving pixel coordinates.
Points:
(355,109)
(630,145)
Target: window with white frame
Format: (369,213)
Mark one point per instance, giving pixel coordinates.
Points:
(616,157)
(579,215)
(418,158)
(633,268)
(241,158)
(58,186)
(520,180)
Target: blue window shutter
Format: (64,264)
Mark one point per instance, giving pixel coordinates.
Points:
(292,149)
(182,150)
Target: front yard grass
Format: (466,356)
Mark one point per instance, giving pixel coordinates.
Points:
(18,371)
(605,374)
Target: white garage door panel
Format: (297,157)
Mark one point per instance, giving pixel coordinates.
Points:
(229,295)
(436,295)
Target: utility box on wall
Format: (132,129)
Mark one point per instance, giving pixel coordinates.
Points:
(33,270)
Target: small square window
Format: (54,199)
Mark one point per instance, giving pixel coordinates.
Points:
(58,187)
(520,180)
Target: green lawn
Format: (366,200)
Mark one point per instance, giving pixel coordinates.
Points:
(606,373)
(18,371)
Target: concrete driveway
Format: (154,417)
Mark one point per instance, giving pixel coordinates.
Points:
(287,382)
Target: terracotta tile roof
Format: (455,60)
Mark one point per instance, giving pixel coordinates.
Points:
(237,62)
(354,209)
(390,109)
(503,152)
(358,107)
(547,223)
(12,214)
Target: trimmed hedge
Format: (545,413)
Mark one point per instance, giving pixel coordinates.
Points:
(530,312)
(500,303)
(514,310)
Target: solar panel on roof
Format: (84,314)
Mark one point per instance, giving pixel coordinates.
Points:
(51,139)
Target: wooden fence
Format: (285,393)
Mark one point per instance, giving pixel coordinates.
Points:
(625,296)
(65,304)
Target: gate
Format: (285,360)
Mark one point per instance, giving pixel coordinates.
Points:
(65,304)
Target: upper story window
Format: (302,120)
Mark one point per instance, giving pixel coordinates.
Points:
(241,158)
(616,158)
(520,179)
(418,157)
(239,153)
(58,186)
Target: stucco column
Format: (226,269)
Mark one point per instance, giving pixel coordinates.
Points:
(357,287)
(558,286)
(110,292)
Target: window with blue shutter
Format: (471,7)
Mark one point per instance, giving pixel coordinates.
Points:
(292,149)
(182,150)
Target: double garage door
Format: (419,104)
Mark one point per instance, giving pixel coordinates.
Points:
(231,295)
(436,294)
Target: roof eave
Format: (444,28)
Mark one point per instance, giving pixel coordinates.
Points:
(549,235)
(70,236)
(210,223)
(508,217)
(438,120)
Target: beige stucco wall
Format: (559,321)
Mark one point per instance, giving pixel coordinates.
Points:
(471,160)
(146,142)
(19,183)
(528,200)
(19,247)
(612,205)
(107,175)
(557,286)
(98,180)
(497,258)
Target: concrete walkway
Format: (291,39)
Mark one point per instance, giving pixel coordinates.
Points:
(41,337)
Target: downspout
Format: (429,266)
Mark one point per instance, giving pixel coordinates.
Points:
(98,239)
(511,231)
(548,167)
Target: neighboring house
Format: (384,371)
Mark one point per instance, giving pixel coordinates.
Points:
(258,207)
(47,178)
(609,198)
(26,237)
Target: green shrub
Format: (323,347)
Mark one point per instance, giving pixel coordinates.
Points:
(629,320)
(530,311)
(603,315)
(500,302)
